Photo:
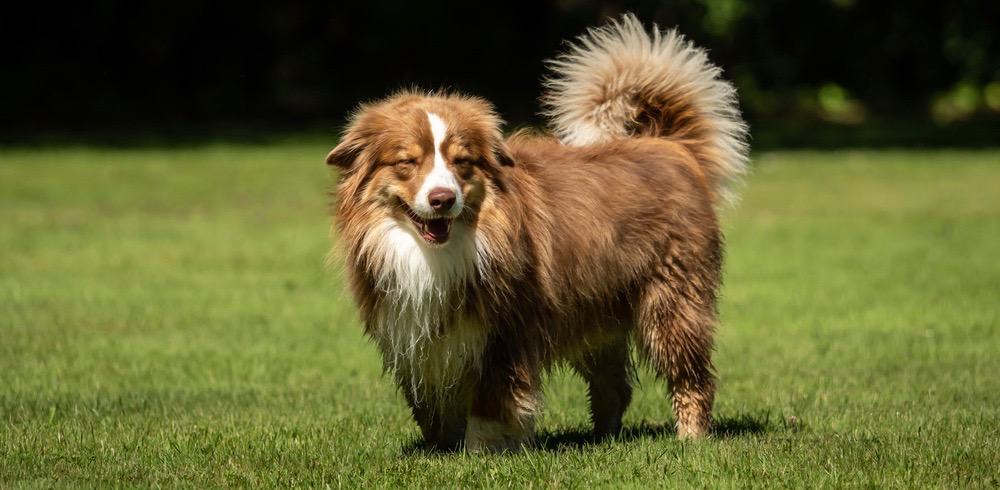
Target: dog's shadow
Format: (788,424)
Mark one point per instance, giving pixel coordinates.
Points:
(574,439)
(583,438)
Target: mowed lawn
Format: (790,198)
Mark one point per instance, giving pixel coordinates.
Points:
(166,318)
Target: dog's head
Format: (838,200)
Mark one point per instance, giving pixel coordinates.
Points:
(427,161)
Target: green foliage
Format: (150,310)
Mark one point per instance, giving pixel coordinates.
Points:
(166,320)
(836,105)
(722,15)
(991,95)
(964,100)
(299,62)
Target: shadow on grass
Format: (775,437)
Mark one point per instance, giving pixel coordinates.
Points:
(725,427)
(582,438)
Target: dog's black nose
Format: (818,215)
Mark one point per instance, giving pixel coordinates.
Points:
(441,199)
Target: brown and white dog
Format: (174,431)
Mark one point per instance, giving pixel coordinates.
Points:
(479,262)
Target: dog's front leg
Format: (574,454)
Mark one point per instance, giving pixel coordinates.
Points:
(506,399)
(442,421)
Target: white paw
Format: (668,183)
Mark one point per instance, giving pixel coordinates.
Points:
(483,435)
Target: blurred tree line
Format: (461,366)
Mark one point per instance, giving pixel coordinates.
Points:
(114,64)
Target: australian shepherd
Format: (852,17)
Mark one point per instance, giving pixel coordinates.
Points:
(478,262)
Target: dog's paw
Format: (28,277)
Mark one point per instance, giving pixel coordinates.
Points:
(693,430)
(484,435)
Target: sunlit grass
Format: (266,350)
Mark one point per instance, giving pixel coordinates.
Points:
(166,318)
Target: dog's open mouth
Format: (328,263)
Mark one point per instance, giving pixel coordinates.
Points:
(433,230)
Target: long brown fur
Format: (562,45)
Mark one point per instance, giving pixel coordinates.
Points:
(564,251)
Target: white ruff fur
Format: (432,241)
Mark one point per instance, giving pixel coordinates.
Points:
(423,336)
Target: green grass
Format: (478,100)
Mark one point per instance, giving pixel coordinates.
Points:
(166,318)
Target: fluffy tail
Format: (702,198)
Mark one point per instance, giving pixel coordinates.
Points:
(620,80)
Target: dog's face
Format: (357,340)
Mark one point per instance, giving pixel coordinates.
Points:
(425,161)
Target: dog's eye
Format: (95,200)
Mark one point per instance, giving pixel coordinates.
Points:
(406,161)
(463,162)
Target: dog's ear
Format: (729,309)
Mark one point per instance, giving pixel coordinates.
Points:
(499,153)
(502,155)
(346,153)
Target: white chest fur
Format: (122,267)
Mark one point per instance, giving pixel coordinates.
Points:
(425,337)
(434,366)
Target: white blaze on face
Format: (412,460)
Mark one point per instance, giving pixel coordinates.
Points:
(439,176)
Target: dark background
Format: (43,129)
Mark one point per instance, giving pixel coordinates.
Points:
(896,71)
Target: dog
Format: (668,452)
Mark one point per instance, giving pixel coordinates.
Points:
(479,262)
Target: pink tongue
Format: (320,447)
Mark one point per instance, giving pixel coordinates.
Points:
(438,229)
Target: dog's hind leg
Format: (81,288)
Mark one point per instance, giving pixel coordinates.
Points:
(675,323)
(607,370)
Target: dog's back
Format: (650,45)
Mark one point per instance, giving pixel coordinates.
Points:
(610,210)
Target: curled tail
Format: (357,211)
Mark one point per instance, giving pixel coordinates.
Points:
(620,80)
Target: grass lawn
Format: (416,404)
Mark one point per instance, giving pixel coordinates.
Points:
(166,318)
